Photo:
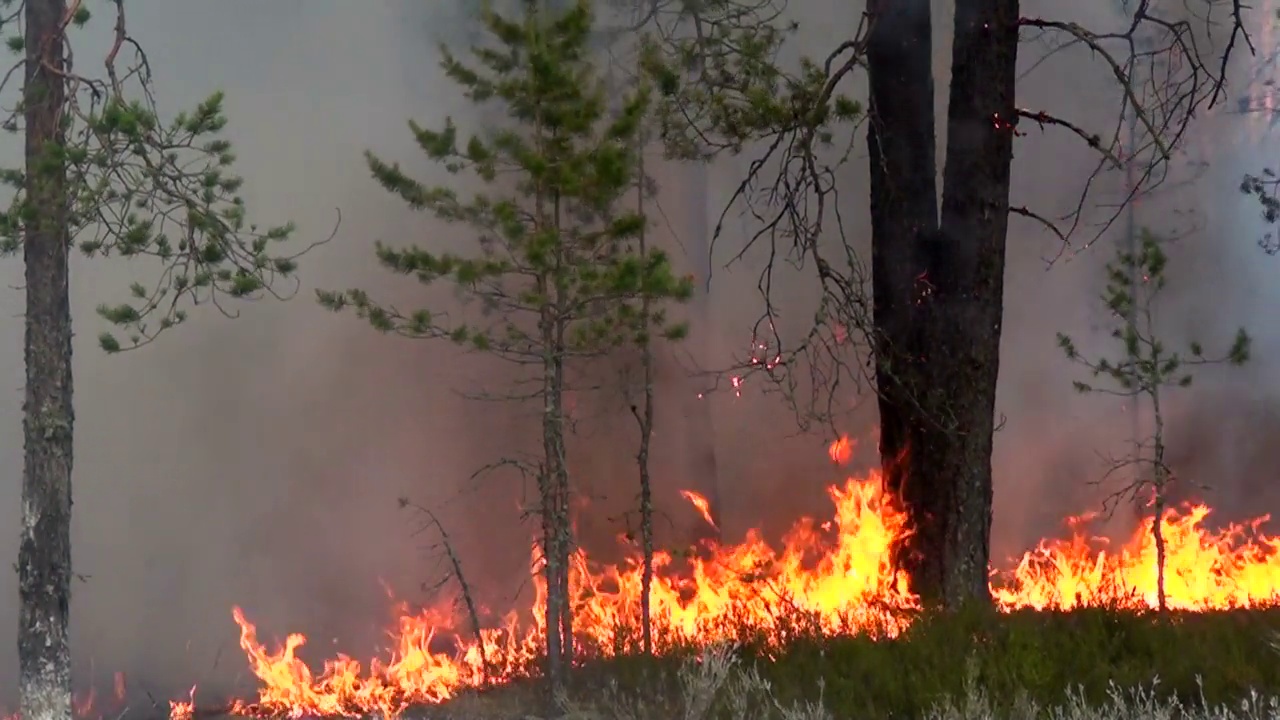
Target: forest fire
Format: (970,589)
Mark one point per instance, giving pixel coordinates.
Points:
(835,574)
(831,577)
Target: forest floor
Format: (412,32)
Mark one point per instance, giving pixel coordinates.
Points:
(1089,664)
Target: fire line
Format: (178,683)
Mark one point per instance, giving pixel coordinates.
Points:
(837,572)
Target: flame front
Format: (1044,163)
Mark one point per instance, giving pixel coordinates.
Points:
(1236,567)
(837,573)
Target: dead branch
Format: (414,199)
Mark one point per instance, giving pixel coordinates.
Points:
(1165,82)
(455,562)
(1093,140)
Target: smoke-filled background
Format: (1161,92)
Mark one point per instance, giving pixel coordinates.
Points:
(258,461)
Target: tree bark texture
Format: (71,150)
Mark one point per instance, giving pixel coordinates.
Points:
(554,568)
(938,286)
(44,554)
(969,276)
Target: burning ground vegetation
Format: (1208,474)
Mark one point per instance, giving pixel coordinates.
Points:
(827,580)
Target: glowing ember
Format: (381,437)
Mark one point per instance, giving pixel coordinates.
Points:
(836,574)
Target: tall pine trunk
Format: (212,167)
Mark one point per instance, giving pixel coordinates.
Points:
(938,288)
(44,555)
(644,417)
(556,521)
(555,569)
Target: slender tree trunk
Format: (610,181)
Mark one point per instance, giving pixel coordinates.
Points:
(645,418)
(554,568)
(564,519)
(44,555)
(938,288)
(556,523)
(549,481)
(1160,478)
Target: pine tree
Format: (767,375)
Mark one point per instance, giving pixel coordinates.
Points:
(104,175)
(1143,371)
(555,277)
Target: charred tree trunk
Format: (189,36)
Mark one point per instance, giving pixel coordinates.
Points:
(967,301)
(904,211)
(939,288)
(44,555)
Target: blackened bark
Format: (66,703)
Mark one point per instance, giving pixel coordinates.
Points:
(904,211)
(44,555)
(968,295)
(938,288)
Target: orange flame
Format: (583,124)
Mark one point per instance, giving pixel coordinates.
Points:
(836,574)
(1235,567)
(701,504)
(841,451)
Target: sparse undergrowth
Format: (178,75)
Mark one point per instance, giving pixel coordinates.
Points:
(1084,664)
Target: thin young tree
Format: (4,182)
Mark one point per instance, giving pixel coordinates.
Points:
(1142,372)
(644,415)
(106,175)
(554,278)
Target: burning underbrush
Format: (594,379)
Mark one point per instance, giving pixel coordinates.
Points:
(824,580)
(827,579)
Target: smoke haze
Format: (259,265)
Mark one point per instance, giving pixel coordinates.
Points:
(258,461)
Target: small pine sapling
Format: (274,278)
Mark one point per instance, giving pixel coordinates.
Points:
(554,277)
(1142,371)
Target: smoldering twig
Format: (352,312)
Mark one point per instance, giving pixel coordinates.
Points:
(472,614)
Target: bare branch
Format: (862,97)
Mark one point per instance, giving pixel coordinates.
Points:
(456,564)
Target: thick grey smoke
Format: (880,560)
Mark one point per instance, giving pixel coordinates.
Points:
(257,461)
